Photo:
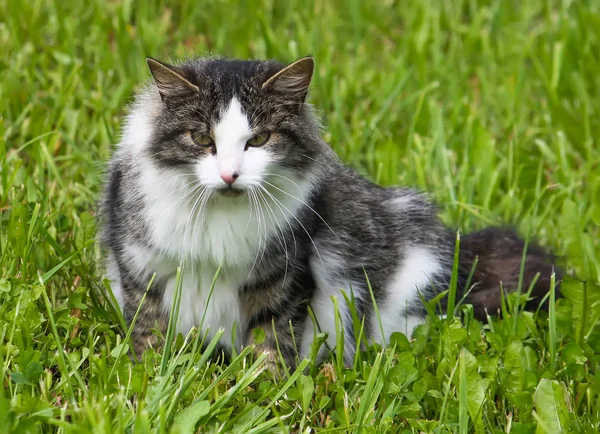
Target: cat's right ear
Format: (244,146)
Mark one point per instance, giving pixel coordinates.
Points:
(170,81)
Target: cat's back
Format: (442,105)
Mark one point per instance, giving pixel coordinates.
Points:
(369,227)
(352,201)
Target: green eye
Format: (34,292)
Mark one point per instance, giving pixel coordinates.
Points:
(258,140)
(202,139)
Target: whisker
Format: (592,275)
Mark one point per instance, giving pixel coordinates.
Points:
(252,195)
(287,179)
(174,191)
(313,159)
(299,222)
(264,226)
(306,205)
(249,215)
(200,213)
(271,215)
(276,222)
(187,223)
(290,226)
(190,192)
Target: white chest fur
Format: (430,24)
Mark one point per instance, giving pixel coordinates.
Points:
(203,235)
(199,306)
(201,240)
(209,310)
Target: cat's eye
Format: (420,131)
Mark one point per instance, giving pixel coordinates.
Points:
(202,139)
(258,140)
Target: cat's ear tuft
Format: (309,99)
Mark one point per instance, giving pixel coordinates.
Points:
(170,80)
(293,80)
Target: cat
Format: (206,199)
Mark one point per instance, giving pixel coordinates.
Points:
(221,166)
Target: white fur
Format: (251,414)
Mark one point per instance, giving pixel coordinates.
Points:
(192,224)
(229,232)
(115,279)
(324,269)
(412,276)
(228,229)
(137,129)
(223,310)
(231,134)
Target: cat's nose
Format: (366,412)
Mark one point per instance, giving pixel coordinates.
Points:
(229,177)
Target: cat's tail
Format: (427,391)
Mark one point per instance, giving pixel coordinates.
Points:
(499,254)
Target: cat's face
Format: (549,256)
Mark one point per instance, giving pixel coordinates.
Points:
(233,124)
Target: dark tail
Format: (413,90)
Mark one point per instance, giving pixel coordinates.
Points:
(499,253)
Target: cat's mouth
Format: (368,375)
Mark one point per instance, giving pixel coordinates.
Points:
(231,192)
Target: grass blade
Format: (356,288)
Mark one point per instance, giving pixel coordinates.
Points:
(453,279)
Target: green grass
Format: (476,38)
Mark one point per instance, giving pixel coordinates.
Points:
(492,106)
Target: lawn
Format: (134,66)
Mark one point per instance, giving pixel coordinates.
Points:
(491,106)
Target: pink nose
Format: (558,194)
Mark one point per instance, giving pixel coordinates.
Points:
(229,177)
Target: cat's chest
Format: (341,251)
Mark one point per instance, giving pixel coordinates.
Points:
(209,301)
(210,294)
(232,234)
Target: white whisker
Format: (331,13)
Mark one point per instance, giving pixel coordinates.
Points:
(289,225)
(306,205)
(200,213)
(299,222)
(184,248)
(252,195)
(276,222)
(190,192)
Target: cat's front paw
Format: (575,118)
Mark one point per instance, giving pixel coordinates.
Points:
(273,363)
(141,342)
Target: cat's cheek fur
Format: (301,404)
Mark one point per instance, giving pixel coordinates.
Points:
(138,129)
(255,167)
(207,171)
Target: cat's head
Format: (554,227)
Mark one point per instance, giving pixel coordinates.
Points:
(233,123)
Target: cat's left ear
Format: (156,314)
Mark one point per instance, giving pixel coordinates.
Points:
(170,81)
(293,80)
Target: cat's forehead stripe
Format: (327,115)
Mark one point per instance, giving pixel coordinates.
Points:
(233,127)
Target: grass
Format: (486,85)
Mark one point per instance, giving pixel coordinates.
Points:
(492,106)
